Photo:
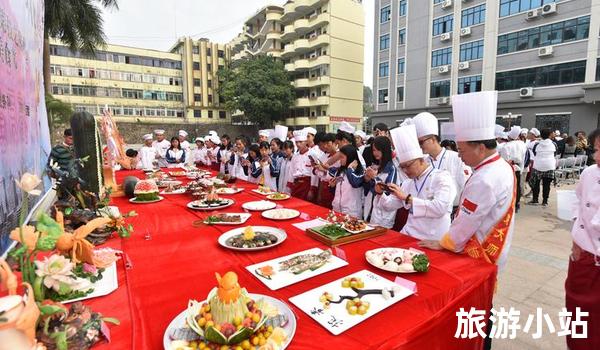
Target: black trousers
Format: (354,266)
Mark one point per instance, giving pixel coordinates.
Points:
(518,202)
(546,182)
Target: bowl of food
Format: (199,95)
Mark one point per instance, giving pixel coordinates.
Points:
(252,238)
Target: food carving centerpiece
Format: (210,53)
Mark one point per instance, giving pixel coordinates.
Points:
(229,316)
(146,191)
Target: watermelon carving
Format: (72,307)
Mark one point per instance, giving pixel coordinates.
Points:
(146,190)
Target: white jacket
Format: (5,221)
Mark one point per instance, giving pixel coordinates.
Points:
(147,157)
(450,161)
(161,148)
(544,156)
(348,198)
(586,229)
(514,151)
(285,175)
(236,169)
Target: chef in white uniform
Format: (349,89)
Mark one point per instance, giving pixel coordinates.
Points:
(161,145)
(185,145)
(501,138)
(147,153)
(263,135)
(440,157)
(199,153)
(484,225)
(514,153)
(428,194)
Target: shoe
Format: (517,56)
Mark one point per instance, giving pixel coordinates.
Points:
(533,203)
(545,204)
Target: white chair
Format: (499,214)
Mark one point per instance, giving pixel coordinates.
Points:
(560,172)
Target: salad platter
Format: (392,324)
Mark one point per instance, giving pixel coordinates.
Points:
(280,214)
(290,269)
(259,205)
(232,318)
(252,238)
(398,260)
(348,301)
(343,232)
(278,196)
(227,219)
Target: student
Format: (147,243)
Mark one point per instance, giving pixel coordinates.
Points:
(514,153)
(212,150)
(175,154)
(237,159)
(266,178)
(285,174)
(199,154)
(382,171)
(326,143)
(184,144)
(224,154)
(301,167)
(276,159)
(161,145)
(346,182)
(252,165)
(63,153)
(147,154)
(428,193)
(544,165)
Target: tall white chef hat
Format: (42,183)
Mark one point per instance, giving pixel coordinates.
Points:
(263,132)
(514,132)
(215,139)
(499,131)
(426,124)
(300,135)
(147,137)
(535,132)
(199,138)
(524,131)
(345,126)
(475,115)
(280,132)
(311,130)
(183,133)
(159,132)
(406,143)
(557,132)
(361,134)
(212,132)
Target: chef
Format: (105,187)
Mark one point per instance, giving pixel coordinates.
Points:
(439,157)
(501,137)
(514,153)
(484,225)
(147,153)
(301,167)
(428,193)
(263,135)
(185,145)
(199,153)
(582,286)
(212,149)
(161,145)
(314,153)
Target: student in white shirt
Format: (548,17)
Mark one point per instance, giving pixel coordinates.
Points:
(224,154)
(175,154)
(252,164)
(346,181)
(147,153)
(267,178)
(285,172)
(238,158)
(185,145)
(199,154)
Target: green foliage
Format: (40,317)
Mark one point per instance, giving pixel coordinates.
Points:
(259,87)
(59,112)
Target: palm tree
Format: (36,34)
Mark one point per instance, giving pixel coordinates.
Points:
(77,23)
(59,112)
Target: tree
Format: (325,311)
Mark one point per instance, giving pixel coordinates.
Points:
(259,87)
(77,23)
(367,101)
(59,112)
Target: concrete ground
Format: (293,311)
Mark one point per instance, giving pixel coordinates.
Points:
(535,273)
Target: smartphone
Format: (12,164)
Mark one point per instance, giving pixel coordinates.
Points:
(312,159)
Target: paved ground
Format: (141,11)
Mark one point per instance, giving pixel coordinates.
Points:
(535,273)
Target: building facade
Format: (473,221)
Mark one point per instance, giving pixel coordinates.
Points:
(541,55)
(321,43)
(141,85)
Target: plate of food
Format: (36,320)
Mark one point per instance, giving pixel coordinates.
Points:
(280,214)
(398,260)
(228,190)
(278,196)
(354,226)
(227,219)
(263,190)
(174,189)
(252,238)
(211,202)
(145,191)
(178,173)
(233,318)
(168,182)
(259,205)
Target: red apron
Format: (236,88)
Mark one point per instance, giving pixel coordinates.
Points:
(300,187)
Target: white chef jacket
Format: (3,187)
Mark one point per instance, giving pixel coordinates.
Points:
(514,151)
(450,161)
(199,156)
(380,216)
(586,229)
(161,149)
(316,153)
(432,196)
(212,152)
(185,145)
(285,175)
(236,169)
(225,155)
(268,180)
(301,165)
(147,157)
(348,199)
(484,201)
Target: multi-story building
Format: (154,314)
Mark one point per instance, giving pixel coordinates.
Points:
(141,85)
(321,43)
(541,55)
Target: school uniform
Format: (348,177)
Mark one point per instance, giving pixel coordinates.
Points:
(348,192)
(373,211)
(285,175)
(175,155)
(236,169)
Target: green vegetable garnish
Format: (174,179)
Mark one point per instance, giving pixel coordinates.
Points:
(421,263)
(332,231)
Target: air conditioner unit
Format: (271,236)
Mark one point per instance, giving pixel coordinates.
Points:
(526,92)
(465,31)
(446,4)
(549,9)
(466,0)
(532,14)
(443,100)
(444,69)
(445,36)
(464,66)
(545,51)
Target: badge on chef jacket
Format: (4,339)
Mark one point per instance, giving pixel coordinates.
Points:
(468,206)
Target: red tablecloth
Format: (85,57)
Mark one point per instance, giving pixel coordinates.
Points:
(179,261)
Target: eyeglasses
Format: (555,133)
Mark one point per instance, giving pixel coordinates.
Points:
(421,142)
(407,165)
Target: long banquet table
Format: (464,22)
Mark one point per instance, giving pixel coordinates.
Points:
(159,275)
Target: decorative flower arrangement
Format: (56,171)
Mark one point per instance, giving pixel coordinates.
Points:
(60,279)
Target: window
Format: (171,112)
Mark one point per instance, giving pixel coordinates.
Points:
(402,36)
(553,122)
(222,115)
(195,50)
(437,1)
(210,114)
(210,100)
(384,42)
(472,16)
(400,94)
(220,53)
(196,82)
(439,89)
(598,69)
(402,8)
(383,96)
(197,113)
(550,34)
(443,25)
(469,84)
(441,57)
(196,65)
(401,65)
(208,51)
(209,67)
(209,83)
(554,74)
(471,51)
(384,69)
(510,7)
(197,98)
(384,14)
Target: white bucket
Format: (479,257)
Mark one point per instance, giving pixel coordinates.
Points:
(565,200)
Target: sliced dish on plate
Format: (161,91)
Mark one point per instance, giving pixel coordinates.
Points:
(398,260)
(278,196)
(252,238)
(210,204)
(227,219)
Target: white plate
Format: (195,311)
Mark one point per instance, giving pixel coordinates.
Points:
(368,228)
(178,191)
(373,255)
(286,196)
(215,207)
(263,193)
(108,284)
(132,200)
(243,216)
(259,205)
(290,327)
(227,190)
(168,182)
(279,233)
(273,213)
